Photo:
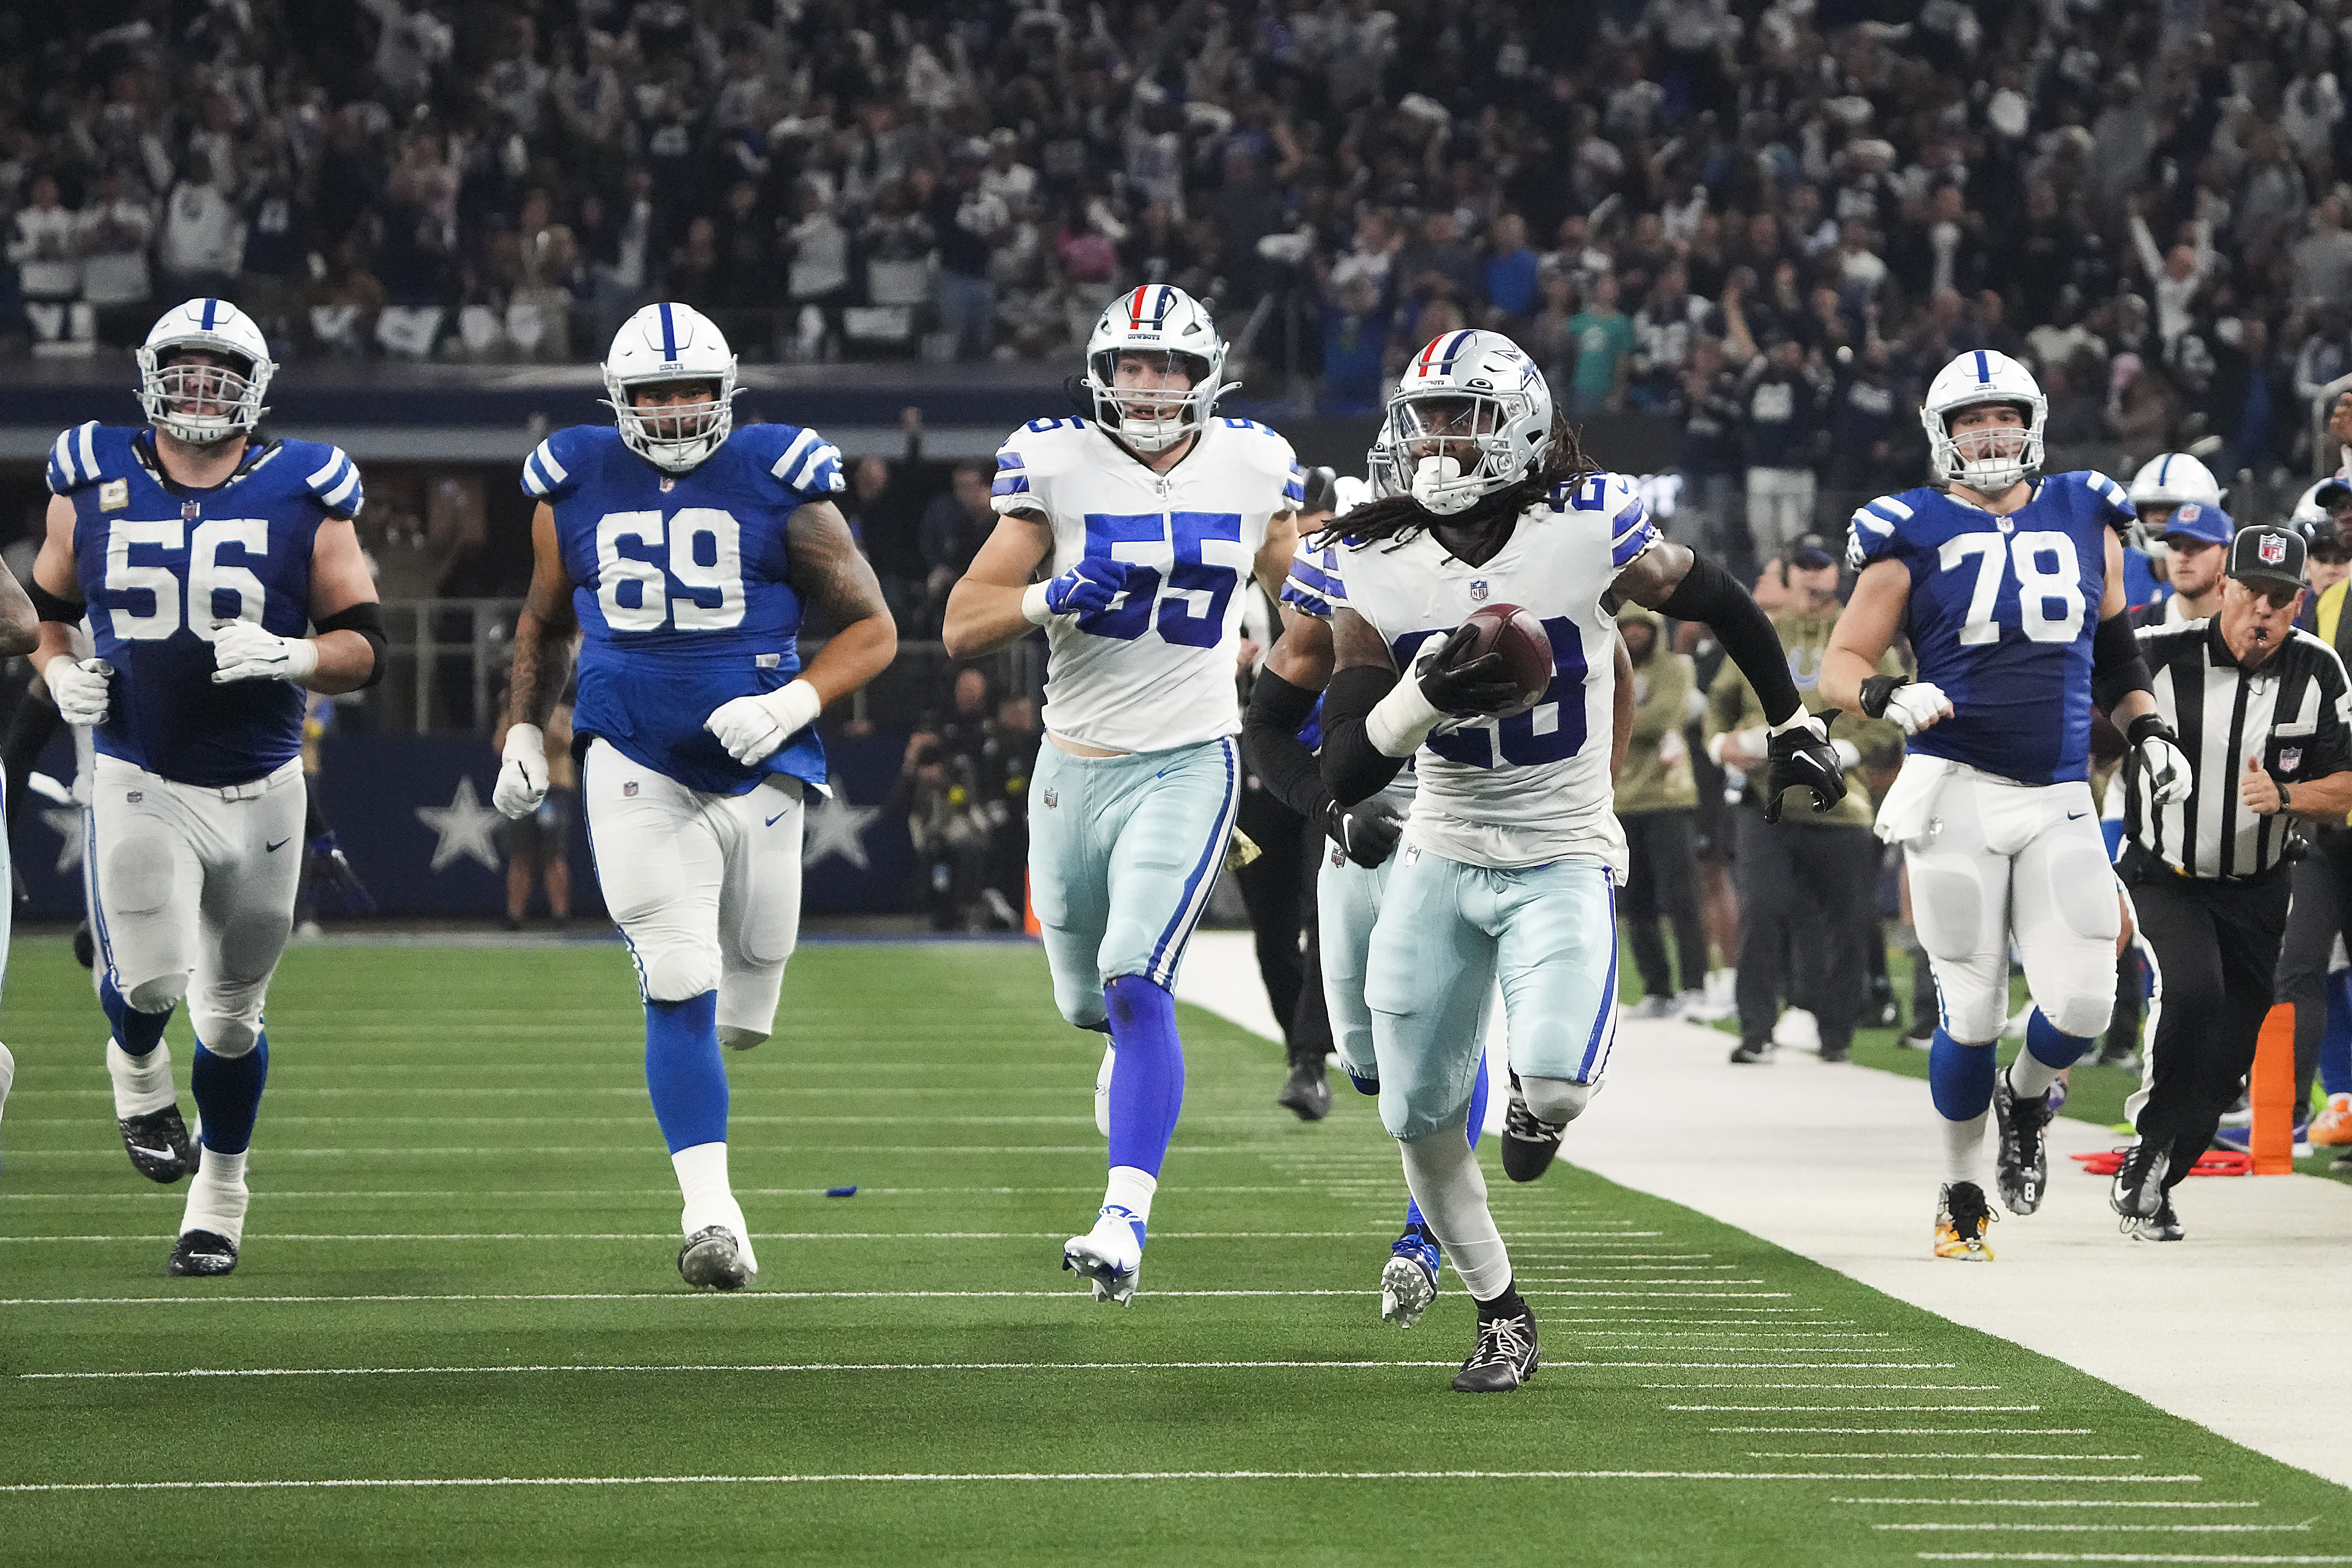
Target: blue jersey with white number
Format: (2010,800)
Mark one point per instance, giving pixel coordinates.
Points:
(684,590)
(161,566)
(2002,615)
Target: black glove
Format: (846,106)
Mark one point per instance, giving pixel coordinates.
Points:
(1876,689)
(1367,830)
(333,870)
(1801,759)
(1478,687)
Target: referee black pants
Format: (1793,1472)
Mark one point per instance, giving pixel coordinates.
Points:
(2215,947)
(2322,887)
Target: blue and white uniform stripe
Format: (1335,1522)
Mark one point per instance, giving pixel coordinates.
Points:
(810,466)
(73,461)
(1314,587)
(1169,951)
(541,472)
(1630,533)
(336,484)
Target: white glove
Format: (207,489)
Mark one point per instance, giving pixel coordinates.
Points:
(2166,767)
(1917,704)
(244,651)
(80,688)
(753,728)
(1849,755)
(523,774)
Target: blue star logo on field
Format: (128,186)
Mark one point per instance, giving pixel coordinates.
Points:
(465,826)
(835,826)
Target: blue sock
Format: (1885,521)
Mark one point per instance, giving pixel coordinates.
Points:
(1478,1101)
(228,1091)
(137,1033)
(683,1072)
(2336,1041)
(2047,1053)
(1960,1078)
(1146,1079)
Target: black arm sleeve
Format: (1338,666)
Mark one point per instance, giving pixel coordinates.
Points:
(367,619)
(53,606)
(2116,668)
(1353,768)
(1708,594)
(1280,759)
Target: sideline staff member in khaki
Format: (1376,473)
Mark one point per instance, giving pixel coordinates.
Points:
(2259,709)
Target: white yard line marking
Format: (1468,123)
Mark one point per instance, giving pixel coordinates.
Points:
(1788,1409)
(2084,1459)
(709,1367)
(427,1482)
(2035,1502)
(1073,1296)
(1916,1432)
(1855,1388)
(2117,1529)
(2111,1557)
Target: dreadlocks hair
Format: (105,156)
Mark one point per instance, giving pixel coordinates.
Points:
(1395,519)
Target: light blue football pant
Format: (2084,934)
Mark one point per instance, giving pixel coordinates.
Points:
(1446,932)
(1346,906)
(1123,852)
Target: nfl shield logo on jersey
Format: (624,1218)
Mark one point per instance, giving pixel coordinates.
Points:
(2274,550)
(2289,759)
(1052,800)
(1478,590)
(630,789)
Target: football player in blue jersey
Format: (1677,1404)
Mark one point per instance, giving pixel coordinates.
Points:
(2010,586)
(690,553)
(201,554)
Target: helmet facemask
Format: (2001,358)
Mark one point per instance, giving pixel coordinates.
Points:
(1152,419)
(1454,448)
(1990,459)
(200,403)
(674,437)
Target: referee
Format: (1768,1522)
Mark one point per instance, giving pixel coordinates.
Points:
(2260,710)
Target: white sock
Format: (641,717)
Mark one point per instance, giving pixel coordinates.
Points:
(142,1085)
(709,1200)
(1964,1149)
(1130,1187)
(2029,1076)
(1442,1172)
(8,1075)
(216,1195)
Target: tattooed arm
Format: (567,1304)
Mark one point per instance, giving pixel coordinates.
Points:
(542,640)
(838,583)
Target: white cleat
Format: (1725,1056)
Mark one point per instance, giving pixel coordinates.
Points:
(713,1260)
(1108,1257)
(1407,1287)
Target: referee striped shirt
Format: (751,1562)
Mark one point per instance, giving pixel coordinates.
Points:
(2291,712)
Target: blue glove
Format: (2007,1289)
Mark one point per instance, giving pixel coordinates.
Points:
(1087,588)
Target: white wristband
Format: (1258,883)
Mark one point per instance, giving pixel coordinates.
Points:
(794,708)
(1800,718)
(527,739)
(1034,608)
(1401,720)
(302,658)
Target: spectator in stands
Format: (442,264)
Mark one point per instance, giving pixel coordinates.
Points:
(953,528)
(112,237)
(44,242)
(1603,341)
(202,245)
(1710,453)
(1355,346)
(1783,399)
(1510,281)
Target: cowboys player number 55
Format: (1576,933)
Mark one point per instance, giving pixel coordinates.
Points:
(201,554)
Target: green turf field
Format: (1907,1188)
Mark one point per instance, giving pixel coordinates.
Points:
(458,1277)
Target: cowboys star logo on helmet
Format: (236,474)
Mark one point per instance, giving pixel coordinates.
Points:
(1467,395)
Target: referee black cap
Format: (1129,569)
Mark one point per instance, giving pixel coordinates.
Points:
(2267,554)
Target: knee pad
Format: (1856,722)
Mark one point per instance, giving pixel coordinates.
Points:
(2081,1013)
(676,970)
(1974,1004)
(1947,906)
(1557,1100)
(225,1033)
(160,994)
(137,877)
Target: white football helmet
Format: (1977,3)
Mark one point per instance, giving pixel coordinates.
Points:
(2174,479)
(1473,386)
(1975,378)
(174,395)
(670,342)
(2310,511)
(1157,319)
(1383,476)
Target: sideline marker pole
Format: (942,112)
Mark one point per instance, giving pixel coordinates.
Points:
(2271,1091)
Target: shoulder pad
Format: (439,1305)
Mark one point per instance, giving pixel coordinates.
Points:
(1032,454)
(1616,497)
(2118,507)
(74,461)
(1873,529)
(334,479)
(810,466)
(547,472)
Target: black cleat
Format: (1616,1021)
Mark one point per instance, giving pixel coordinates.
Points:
(712,1257)
(1962,1216)
(1530,1142)
(2137,1191)
(1505,1357)
(1836,1053)
(1752,1051)
(1307,1090)
(2021,1159)
(157,1144)
(201,1254)
(2162,1226)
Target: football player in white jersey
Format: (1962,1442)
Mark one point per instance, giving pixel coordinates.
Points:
(1279,735)
(1511,853)
(1145,521)
(2009,584)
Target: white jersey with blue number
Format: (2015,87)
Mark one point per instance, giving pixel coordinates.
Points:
(1156,670)
(1534,787)
(2002,615)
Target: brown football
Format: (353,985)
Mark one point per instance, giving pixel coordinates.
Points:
(1519,637)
